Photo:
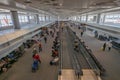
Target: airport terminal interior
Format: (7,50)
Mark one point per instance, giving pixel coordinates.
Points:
(59,39)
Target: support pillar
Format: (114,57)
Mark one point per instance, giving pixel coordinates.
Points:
(15,19)
(28,16)
(86,17)
(98,18)
(37,19)
(104,19)
(80,18)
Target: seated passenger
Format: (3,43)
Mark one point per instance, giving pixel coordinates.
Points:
(76,43)
(54,53)
(54,61)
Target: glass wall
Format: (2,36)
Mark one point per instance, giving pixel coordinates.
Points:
(92,18)
(41,17)
(102,18)
(112,19)
(47,18)
(32,19)
(78,18)
(5,19)
(23,18)
(83,18)
(27,18)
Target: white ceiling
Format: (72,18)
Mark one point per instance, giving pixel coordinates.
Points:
(66,7)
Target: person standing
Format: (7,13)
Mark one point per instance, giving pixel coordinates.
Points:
(34,51)
(81,34)
(109,46)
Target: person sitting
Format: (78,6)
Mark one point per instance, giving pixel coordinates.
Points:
(54,53)
(34,51)
(54,61)
(76,43)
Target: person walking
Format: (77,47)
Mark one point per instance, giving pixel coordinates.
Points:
(36,61)
(81,33)
(45,39)
(104,46)
(40,46)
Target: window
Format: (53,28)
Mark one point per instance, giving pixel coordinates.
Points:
(5,20)
(112,19)
(92,18)
(23,18)
(41,17)
(83,18)
(47,18)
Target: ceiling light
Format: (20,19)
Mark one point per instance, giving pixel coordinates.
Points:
(60,4)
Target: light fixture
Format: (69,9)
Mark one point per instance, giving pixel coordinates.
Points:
(60,4)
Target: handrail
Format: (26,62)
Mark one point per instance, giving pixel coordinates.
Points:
(90,61)
(76,65)
(60,54)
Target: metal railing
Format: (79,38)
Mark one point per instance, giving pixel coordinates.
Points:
(88,58)
(60,54)
(75,61)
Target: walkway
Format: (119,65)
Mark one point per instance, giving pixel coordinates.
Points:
(21,70)
(110,60)
(66,50)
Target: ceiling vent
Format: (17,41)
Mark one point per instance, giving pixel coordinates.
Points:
(110,2)
(27,1)
(55,4)
(47,1)
(53,0)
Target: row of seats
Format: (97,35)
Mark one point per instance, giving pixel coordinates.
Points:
(55,50)
(7,61)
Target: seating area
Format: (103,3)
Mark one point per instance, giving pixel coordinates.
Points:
(7,61)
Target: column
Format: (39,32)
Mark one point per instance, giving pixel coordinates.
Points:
(28,16)
(98,18)
(15,19)
(49,18)
(104,18)
(37,19)
(86,17)
(45,18)
(80,18)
